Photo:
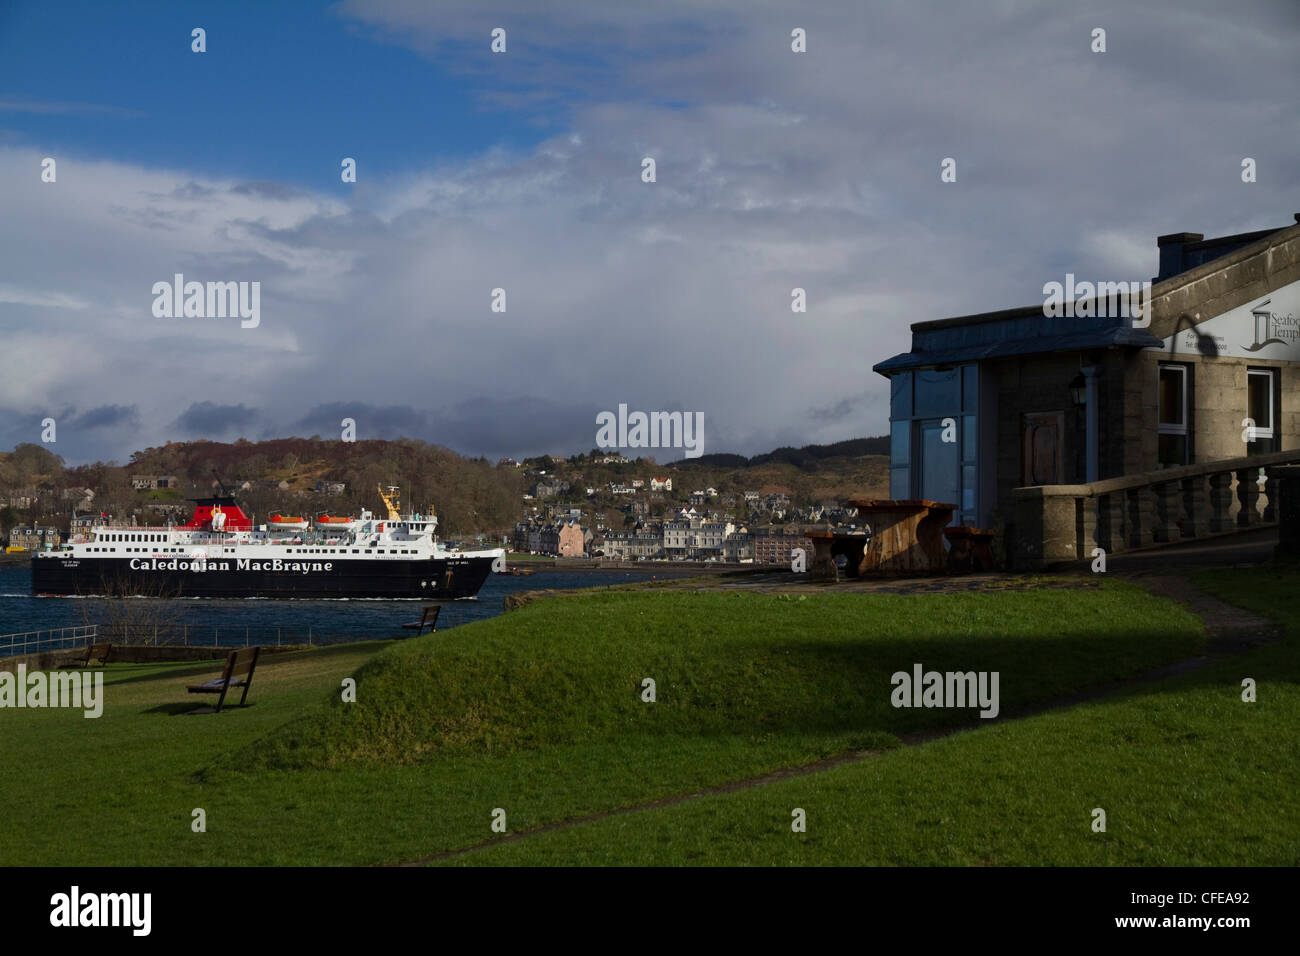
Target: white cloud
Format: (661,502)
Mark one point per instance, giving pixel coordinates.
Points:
(776,170)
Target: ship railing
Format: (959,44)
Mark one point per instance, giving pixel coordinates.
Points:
(51,639)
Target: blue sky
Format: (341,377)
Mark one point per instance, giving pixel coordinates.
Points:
(522,171)
(283,91)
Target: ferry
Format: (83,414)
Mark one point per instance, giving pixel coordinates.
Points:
(220,553)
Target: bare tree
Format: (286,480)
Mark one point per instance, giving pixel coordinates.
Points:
(133,613)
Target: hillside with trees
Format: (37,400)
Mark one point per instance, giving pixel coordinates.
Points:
(471,496)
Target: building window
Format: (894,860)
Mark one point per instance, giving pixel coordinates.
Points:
(900,444)
(937,392)
(1174,413)
(934,437)
(1262,400)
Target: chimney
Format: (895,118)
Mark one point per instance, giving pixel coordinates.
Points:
(1171,251)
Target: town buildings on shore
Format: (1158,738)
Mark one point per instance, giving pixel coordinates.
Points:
(688,536)
(30,538)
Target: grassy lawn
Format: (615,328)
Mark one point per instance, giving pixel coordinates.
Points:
(1187,773)
(515,557)
(539,712)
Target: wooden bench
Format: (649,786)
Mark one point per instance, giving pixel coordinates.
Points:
(96,652)
(428,619)
(970,549)
(906,536)
(240,665)
(829,545)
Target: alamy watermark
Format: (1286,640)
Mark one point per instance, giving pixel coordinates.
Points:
(75,908)
(1129,300)
(212,300)
(952,689)
(84,689)
(683,430)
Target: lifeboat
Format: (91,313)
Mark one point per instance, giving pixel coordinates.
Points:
(279,522)
(335,523)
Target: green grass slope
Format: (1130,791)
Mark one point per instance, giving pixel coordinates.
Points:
(726,664)
(1187,772)
(537,712)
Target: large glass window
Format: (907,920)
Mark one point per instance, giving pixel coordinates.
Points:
(933,437)
(900,395)
(1173,414)
(937,392)
(900,458)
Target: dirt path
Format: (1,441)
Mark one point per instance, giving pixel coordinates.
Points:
(1229,630)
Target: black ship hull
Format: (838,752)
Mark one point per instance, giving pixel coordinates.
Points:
(428,579)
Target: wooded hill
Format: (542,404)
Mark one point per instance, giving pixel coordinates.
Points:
(470,495)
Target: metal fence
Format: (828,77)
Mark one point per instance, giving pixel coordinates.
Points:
(188,635)
(66,638)
(54,639)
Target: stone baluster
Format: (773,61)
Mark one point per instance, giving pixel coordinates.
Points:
(1196,508)
(1220,501)
(1110,522)
(1271,488)
(1248,495)
(1086,516)
(1141,520)
(1166,529)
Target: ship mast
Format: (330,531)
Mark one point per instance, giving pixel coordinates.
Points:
(390,501)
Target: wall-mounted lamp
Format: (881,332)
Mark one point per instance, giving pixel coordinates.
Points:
(1079,390)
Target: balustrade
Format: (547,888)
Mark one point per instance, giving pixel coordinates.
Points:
(1056,523)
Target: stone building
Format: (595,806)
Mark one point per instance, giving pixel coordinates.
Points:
(776,545)
(34,539)
(739,547)
(571,539)
(677,539)
(83,526)
(1202,366)
(151,482)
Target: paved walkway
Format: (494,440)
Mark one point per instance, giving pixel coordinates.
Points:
(1230,550)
